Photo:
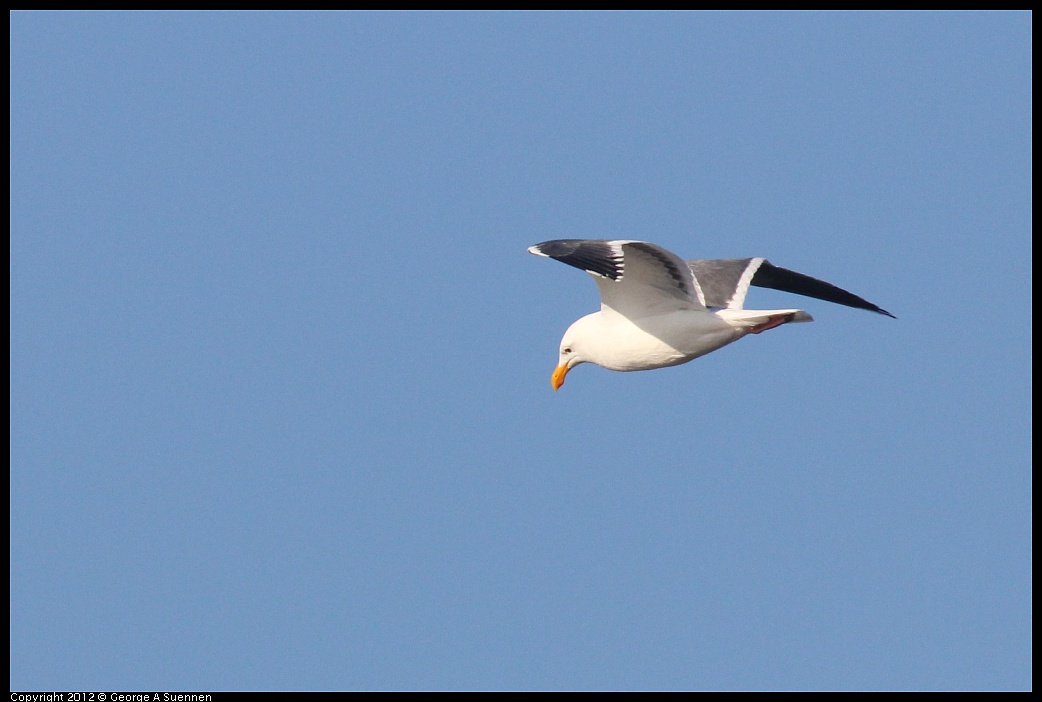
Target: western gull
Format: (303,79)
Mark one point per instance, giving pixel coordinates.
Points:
(658,310)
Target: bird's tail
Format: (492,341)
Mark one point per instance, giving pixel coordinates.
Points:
(756,321)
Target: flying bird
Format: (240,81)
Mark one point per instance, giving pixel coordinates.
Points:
(658,310)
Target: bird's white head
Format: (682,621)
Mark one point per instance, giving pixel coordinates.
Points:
(573,349)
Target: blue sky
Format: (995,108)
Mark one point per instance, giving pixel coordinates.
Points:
(280,404)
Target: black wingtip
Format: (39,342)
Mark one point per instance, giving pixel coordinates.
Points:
(590,255)
(778,278)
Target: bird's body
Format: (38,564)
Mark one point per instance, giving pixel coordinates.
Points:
(658,310)
(654,341)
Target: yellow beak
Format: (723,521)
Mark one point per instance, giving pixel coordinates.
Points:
(557,379)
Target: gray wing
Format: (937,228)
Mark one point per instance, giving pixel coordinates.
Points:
(725,282)
(635,278)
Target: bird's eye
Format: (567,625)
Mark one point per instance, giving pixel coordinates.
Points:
(566,349)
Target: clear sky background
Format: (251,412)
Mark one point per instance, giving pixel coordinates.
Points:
(281,414)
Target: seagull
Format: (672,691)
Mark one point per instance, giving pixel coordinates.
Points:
(658,310)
